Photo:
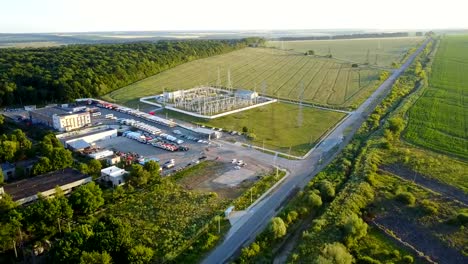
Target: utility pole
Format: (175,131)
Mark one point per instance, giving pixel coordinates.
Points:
(14,246)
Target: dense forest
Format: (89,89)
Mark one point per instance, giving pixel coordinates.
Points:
(349,36)
(43,75)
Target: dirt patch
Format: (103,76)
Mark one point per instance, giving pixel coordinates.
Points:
(221,178)
(421,238)
(420,179)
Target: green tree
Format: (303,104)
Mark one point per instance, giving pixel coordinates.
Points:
(278,228)
(396,125)
(95,258)
(314,200)
(153,168)
(327,190)
(94,167)
(42,166)
(87,198)
(61,158)
(140,254)
(42,217)
(139,176)
(355,228)
(245,129)
(335,253)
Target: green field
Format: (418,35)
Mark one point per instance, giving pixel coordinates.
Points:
(274,72)
(438,120)
(277,125)
(382,51)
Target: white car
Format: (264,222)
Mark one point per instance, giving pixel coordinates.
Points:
(234,161)
(237,167)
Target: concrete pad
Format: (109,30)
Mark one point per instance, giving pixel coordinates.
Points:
(234,177)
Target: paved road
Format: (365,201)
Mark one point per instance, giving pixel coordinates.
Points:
(301,172)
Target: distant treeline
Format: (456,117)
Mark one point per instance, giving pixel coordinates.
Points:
(42,75)
(350,36)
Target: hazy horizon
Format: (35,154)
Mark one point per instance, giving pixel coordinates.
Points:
(87,16)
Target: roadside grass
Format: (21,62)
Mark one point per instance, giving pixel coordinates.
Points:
(382,248)
(438,118)
(276,125)
(384,51)
(268,71)
(435,166)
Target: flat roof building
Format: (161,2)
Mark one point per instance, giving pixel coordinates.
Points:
(26,191)
(60,118)
(114,175)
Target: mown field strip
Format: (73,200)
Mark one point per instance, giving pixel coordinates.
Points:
(438,119)
(275,72)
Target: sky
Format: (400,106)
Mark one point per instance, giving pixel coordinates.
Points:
(27,16)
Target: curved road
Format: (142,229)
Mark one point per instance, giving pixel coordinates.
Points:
(301,172)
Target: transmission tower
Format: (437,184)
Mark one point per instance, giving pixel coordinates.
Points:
(264,88)
(229,83)
(301,97)
(376,58)
(367,56)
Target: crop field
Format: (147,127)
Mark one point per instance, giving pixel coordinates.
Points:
(382,51)
(273,72)
(277,125)
(438,120)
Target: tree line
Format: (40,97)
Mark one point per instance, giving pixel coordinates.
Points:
(43,75)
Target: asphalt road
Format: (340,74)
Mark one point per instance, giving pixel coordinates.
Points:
(301,172)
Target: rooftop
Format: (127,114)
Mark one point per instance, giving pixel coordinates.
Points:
(113,171)
(95,132)
(31,186)
(50,111)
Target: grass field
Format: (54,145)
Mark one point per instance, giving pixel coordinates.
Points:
(276,125)
(438,120)
(382,51)
(270,71)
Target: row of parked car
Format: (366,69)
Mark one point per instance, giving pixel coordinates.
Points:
(155,141)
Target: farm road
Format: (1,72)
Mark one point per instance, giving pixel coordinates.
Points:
(301,172)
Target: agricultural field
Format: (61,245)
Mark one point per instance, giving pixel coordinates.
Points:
(273,72)
(438,120)
(276,125)
(382,51)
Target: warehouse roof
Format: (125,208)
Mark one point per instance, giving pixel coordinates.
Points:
(50,111)
(31,186)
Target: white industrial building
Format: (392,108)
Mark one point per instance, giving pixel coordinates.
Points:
(101,154)
(59,118)
(68,122)
(114,175)
(78,141)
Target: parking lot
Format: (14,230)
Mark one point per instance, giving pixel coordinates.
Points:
(182,158)
(123,144)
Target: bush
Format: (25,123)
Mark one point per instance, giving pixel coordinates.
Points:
(408,259)
(335,253)
(429,207)
(314,199)
(406,198)
(278,228)
(462,218)
(368,260)
(327,190)
(355,228)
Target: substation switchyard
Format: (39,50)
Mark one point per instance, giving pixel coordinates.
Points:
(209,102)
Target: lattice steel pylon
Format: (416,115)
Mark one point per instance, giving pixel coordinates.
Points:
(229,82)
(301,97)
(264,88)
(218,81)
